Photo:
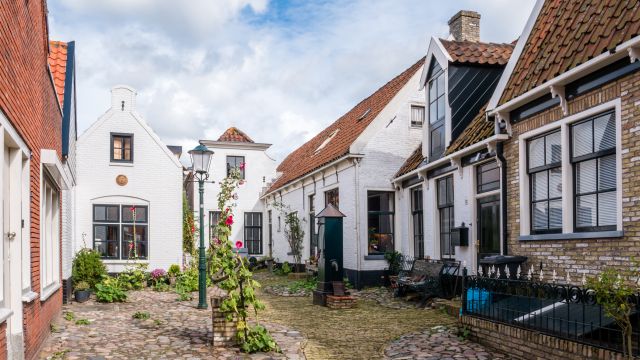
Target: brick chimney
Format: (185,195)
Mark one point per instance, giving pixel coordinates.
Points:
(465,26)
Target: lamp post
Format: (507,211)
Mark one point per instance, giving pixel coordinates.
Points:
(200,160)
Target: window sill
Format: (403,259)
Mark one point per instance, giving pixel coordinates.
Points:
(124,262)
(126,164)
(5,314)
(29,296)
(49,290)
(374,257)
(573,236)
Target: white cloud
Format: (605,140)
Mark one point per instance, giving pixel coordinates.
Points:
(280,72)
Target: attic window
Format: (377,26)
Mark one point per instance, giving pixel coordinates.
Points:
(326,141)
(364,114)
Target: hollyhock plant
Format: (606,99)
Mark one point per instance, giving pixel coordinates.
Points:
(242,166)
(229,220)
(238,244)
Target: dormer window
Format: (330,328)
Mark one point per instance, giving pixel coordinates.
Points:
(121,147)
(436,112)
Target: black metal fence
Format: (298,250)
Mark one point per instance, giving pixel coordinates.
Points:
(562,310)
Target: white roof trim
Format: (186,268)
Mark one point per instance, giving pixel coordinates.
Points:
(6,125)
(49,158)
(513,60)
(437,50)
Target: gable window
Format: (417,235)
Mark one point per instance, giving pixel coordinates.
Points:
(121,147)
(417,222)
(121,231)
(253,232)
(487,177)
(49,234)
(545,177)
(234,162)
(417,115)
(445,215)
(332,197)
(380,221)
(214,219)
(436,112)
(593,156)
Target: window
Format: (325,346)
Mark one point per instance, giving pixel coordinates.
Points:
(49,233)
(593,155)
(122,147)
(417,222)
(487,177)
(234,162)
(253,232)
(545,177)
(332,197)
(445,215)
(214,219)
(436,113)
(380,221)
(121,231)
(417,115)
(313,237)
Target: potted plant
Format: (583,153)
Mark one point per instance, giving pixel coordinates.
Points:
(174,272)
(82,291)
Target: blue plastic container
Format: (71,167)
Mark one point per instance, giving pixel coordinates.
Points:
(477,300)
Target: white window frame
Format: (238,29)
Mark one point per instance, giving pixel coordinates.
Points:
(49,237)
(424,115)
(567,172)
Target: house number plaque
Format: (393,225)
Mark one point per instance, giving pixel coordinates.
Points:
(122,180)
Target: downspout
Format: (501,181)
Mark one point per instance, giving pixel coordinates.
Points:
(356,180)
(503,195)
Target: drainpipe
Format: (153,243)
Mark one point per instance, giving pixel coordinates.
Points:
(356,180)
(503,195)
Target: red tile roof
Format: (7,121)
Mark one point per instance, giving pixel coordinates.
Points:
(568,33)
(58,65)
(413,161)
(469,52)
(235,135)
(338,137)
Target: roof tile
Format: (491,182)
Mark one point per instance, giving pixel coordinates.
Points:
(58,65)
(233,134)
(478,52)
(413,161)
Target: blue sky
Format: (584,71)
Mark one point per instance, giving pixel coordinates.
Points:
(279,70)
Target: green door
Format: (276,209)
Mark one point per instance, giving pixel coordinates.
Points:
(489,226)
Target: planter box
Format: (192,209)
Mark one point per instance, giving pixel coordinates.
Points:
(298,276)
(341,302)
(224,332)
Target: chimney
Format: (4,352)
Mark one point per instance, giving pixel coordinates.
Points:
(465,26)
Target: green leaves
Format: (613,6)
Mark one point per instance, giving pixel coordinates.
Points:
(88,266)
(258,339)
(110,290)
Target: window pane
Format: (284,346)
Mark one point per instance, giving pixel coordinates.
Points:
(440,81)
(539,186)
(536,153)
(127,155)
(555,214)
(582,139)
(607,173)
(586,210)
(553,148)
(117,142)
(105,213)
(441,110)
(604,132)
(433,112)
(607,208)
(539,216)
(127,143)
(127,213)
(131,247)
(555,182)
(586,176)
(442,192)
(433,94)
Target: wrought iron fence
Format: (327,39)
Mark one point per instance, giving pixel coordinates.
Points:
(559,309)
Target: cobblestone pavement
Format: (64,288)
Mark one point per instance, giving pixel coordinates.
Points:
(384,297)
(175,330)
(438,343)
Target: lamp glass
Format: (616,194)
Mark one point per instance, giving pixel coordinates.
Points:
(201,158)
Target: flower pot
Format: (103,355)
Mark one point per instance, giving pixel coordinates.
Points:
(82,295)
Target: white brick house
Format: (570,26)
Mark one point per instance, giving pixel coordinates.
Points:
(230,150)
(122,164)
(350,164)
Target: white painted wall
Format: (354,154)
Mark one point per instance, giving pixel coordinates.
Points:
(155,179)
(68,198)
(259,169)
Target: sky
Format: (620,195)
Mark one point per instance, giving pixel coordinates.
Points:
(279,70)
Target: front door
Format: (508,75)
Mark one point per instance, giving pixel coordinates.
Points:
(489,226)
(270,234)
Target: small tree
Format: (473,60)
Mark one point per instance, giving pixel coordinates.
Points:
(614,294)
(293,231)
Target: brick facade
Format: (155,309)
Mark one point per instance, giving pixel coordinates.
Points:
(29,101)
(584,255)
(527,344)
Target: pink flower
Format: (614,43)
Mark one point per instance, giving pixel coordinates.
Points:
(193,229)
(241,182)
(242,166)
(133,209)
(229,220)
(130,246)
(216,241)
(238,244)
(235,196)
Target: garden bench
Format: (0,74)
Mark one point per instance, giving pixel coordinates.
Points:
(425,278)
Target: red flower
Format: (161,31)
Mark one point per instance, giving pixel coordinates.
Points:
(193,229)
(238,244)
(242,166)
(229,220)
(241,182)
(133,209)
(130,246)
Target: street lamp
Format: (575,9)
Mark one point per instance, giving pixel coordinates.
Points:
(200,160)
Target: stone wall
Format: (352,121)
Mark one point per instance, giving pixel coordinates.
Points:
(527,344)
(588,256)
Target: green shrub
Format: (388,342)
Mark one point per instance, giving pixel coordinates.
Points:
(258,340)
(174,271)
(306,284)
(134,277)
(88,266)
(161,286)
(83,322)
(69,316)
(81,286)
(394,259)
(284,270)
(187,281)
(110,290)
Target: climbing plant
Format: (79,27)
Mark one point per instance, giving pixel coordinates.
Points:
(229,271)
(188,228)
(293,230)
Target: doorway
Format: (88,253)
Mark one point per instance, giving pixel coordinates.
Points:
(489,226)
